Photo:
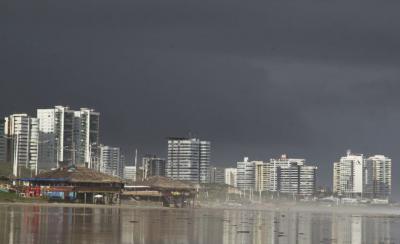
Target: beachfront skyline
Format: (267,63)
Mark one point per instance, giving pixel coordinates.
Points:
(308,79)
(43,150)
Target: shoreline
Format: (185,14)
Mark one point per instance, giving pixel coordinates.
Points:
(285,207)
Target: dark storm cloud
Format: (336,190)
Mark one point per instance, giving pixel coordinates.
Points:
(257,78)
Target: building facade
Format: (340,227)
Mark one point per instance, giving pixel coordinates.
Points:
(188,159)
(86,137)
(378,176)
(246,178)
(122,163)
(349,175)
(307,180)
(157,167)
(3,142)
(110,159)
(56,135)
(336,177)
(217,175)
(261,176)
(130,173)
(231,176)
(22,134)
(153,166)
(272,167)
(291,177)
(358,176)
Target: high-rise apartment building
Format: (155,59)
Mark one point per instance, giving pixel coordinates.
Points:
(188,159)
(261,176)
(291,176)
(86,137)
(378,176)
(156,167)
(336,177)
(307,180)
(22,132)
(34,145)
(349,178)
(3,142)
(231,176)
(110,159)
(272,167)
(145,165)
(56,136)
(217,175)
(122,163)
(246,177)
(357,176)
(205,158)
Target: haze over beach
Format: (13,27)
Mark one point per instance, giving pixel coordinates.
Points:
(310,79)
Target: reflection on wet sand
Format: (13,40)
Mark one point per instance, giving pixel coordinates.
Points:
(34,224)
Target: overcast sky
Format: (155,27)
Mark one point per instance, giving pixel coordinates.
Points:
(256,78)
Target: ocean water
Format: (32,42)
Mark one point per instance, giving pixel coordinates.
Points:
(41,224)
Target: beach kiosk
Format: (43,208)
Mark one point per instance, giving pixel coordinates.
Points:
(75,184)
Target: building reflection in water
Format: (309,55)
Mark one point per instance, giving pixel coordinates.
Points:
(32,224)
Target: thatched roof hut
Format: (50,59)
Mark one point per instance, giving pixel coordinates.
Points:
(75,174)
(166,184)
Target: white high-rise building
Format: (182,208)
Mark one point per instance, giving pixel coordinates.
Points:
(110,159)
(357,176)
(86,137)
(231,176)
(349,173)
(188,159)
(261,176)
(246,177)
(34,145)
(307,180)
(56,136)
(291,176)
(274,164)
(378,176)
(23,134)
(205,158)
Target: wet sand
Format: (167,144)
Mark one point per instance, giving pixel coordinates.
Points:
(289,207)
(79,223)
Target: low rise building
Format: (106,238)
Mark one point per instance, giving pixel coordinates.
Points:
(231,176)
(130,173)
